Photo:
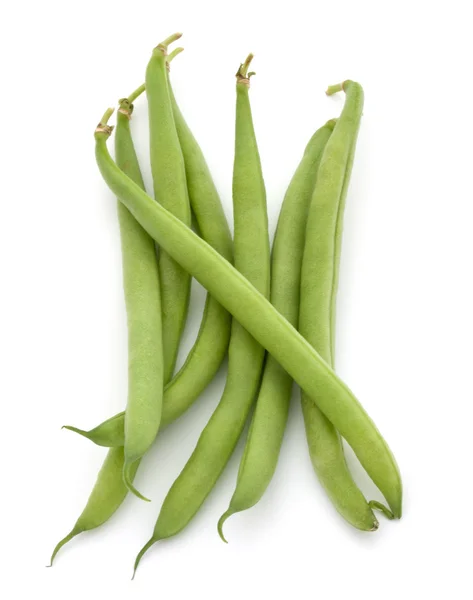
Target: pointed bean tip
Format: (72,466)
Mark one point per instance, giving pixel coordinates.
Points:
(141,553)
(221,522)
(128,483)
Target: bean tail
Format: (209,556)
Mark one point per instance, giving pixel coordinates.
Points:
(75,531)
(82,432)
(221,522)
(375,505)
(142,552)
(128,475)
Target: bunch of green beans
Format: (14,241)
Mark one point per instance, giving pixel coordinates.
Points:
(274,315)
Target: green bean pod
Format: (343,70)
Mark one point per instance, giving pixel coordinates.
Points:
(170,190)
(257,315)
(316,322)
(143,305)
(143,415)
(338,237)
(252,258)
(269,420)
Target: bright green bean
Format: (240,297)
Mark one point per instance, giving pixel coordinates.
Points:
(338,240)
(170,190)
(269,420)
(143,415)
(318,282)
(246,355)
(142,294)
(263,321)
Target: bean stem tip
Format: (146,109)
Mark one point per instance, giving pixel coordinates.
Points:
(333,89)
(242,74)
(174,53)
(163,46)
(134,95)
(103,126)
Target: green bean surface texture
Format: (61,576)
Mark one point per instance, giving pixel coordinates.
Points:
(269,420)
(257,315)
(170,190)
(246,355)
(142,297)
(315,321)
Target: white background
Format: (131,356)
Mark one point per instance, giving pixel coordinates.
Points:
(405,322)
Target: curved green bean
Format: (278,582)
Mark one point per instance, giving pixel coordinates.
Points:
(246,355)
(143,411)
(339,233)
(264,441)
(142,296)
(256,314)
(170,190)
(318,291)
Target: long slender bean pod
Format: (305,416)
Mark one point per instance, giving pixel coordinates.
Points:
(257,315)
(170,190)
(246,355)
(142,297)
(320,261)
(143,415)
(339,231)
(264,441)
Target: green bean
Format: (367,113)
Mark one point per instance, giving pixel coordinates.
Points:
(142,295)
(251,252)
(260,319)
(269,420)
(209,349)
(170,190)
(318,282)
(107,495)
(143,415)
(338,234)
